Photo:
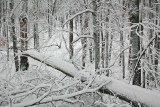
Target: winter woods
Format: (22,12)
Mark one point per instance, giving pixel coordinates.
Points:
(79,53)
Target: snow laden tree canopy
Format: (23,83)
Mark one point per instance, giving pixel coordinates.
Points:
(79,53)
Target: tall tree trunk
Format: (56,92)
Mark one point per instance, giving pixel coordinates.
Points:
(49,19)
(71,38)
(7,30)
(7,40)
(135,41)
(102,43)
(106,52)
(36,37)
(91,56)
(110,40)
(35,27)
(1,16)
(95,35)
(13,34)
(157,42)
(122,58)
(84,40)
(106,36)
(23,36)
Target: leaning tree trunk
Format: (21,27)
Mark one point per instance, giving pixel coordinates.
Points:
(23,36)
(135,41)
(129,93)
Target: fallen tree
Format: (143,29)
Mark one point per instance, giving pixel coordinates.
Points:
(132,94)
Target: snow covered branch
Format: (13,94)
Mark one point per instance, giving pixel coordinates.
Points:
(72,17)
(82,36)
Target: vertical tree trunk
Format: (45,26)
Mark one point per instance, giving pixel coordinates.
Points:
(157,42)
(102,43)
(49,19)
(106,36)
(106,52)
(13,34)
(84,40)
(135,41)
(110,40)
(95,35)
(36,37)
(91,56)
(35,28)
(1,16)
(7,30)
(122,58)
(23,36)
(7,41)
(71,38)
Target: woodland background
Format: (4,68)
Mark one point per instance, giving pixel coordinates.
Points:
(79,53)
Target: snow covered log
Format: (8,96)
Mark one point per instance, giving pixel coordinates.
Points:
(129,93)
(55,63)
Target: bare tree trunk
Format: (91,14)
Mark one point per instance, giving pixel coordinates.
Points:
(35,28)
(84,40)
(7,44)
(71,38)
(90,24)
(102,43)
(23,36)
(49,18)
(110,44)
(135,41)
(13,34)
(36,37)
(122,58)
(95,35)
(1,7)
(157,42)
(84,51)
(5,20)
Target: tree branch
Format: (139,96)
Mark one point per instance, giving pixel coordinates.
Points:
(72,17)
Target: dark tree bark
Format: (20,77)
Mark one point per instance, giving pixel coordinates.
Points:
(122,57)
(157,42)
(95,35)
(36,37)
(71,50)
(50,18)
(135,41)
(23,36)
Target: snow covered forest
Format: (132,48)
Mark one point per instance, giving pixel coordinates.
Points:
(79,53)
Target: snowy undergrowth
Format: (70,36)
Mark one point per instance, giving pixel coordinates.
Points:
(40,81)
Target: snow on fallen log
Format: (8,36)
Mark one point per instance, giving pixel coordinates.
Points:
(129,93)
(55,63)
